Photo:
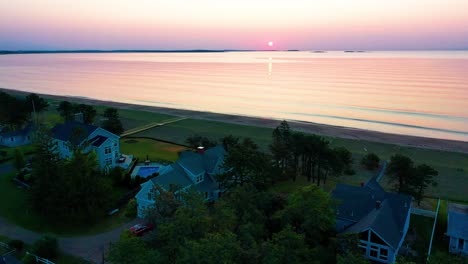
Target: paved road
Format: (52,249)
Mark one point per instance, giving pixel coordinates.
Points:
(89,248)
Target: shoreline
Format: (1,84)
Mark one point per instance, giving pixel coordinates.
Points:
(303,126)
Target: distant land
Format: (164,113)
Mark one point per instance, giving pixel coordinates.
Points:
(8,52)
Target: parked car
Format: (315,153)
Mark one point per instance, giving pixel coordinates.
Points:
(141,229)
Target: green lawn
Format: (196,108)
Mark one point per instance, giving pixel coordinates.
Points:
(18,211)
(10,152)
(156,150)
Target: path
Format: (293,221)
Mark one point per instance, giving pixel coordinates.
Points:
(90,248)
(149,126)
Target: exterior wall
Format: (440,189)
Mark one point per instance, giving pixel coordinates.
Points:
(374,251)
(63,149)
(142,199)
(454,246)
(15,141)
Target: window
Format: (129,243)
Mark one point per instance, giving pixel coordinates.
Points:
(199,178)
(383,252)
(107,150)
(12,139)
(460,243)
(109,161)
(206,195)
(373,253)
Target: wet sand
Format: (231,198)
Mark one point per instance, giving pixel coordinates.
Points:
(309,127)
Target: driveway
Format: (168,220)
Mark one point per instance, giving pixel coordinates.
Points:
(91,248)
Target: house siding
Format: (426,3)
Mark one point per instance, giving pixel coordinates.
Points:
(454,246)
(15,141)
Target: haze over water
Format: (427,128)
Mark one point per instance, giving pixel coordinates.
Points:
(415,93)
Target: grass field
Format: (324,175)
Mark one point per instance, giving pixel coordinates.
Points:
(156,150)
(452,166)
(10,152)
(18,211)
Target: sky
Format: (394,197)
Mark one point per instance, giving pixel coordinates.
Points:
(237,24)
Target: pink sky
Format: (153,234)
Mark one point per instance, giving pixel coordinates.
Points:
(240,24)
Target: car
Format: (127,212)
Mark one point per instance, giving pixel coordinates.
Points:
(141,229)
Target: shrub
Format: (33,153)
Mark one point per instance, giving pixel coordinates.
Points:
(131,209)
(46,247)
(370,161)
(350,171)
(16,244)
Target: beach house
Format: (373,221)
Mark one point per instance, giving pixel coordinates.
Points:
(380,219)
(192,170)
(18,137)
(457,228)
(104,143)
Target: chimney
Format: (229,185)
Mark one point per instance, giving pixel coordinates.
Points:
(378,204)
(200,150)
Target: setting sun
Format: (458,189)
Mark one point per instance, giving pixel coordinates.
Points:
(270,43)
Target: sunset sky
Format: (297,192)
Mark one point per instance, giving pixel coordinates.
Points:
(239,24)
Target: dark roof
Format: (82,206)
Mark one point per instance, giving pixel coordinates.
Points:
(73,132)
(457,224)
(359,206)
(98,140)
(172,175)
(20,132)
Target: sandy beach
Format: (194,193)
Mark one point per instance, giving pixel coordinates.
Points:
(308,127)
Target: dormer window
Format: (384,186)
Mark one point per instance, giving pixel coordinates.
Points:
(199,178)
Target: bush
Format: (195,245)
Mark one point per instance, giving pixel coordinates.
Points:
(46,247)
(16,244)
(350,171)
(131,209)
(370,161)
(117,175)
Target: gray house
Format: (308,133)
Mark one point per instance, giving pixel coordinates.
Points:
(192,170)
(17,138)
(457,228)
(105,144)
(381,219)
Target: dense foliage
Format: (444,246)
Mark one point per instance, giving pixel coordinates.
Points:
(410,179)
(67,190)
(68,110)
(16,111)
(370,161)
(246,225)
(112,121)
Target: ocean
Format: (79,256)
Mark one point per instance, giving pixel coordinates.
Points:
(421,93)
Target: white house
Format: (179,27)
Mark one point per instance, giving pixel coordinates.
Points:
(380,219)
(193,169)
(457,228)
(105,144)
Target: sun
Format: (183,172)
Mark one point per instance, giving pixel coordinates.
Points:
(270,43)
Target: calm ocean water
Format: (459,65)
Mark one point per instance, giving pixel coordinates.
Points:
(416,93)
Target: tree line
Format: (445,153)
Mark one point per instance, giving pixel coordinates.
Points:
(15,111)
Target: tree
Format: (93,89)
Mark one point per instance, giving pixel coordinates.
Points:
(214,248)
(423,177)
(88,111)
(46,247)
(244,163)
(309,211)
(19,160)
(13,112)
(370,161)
(112,122)
(35,103)
(66,110)
(287,246)
(132,250)
(281,146)
(200,141)
(401,170)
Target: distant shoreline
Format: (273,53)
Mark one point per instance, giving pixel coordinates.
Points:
(12,52)
(304,126)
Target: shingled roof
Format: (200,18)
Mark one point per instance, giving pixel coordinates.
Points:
(74,132)
(457,225)
(370,207)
